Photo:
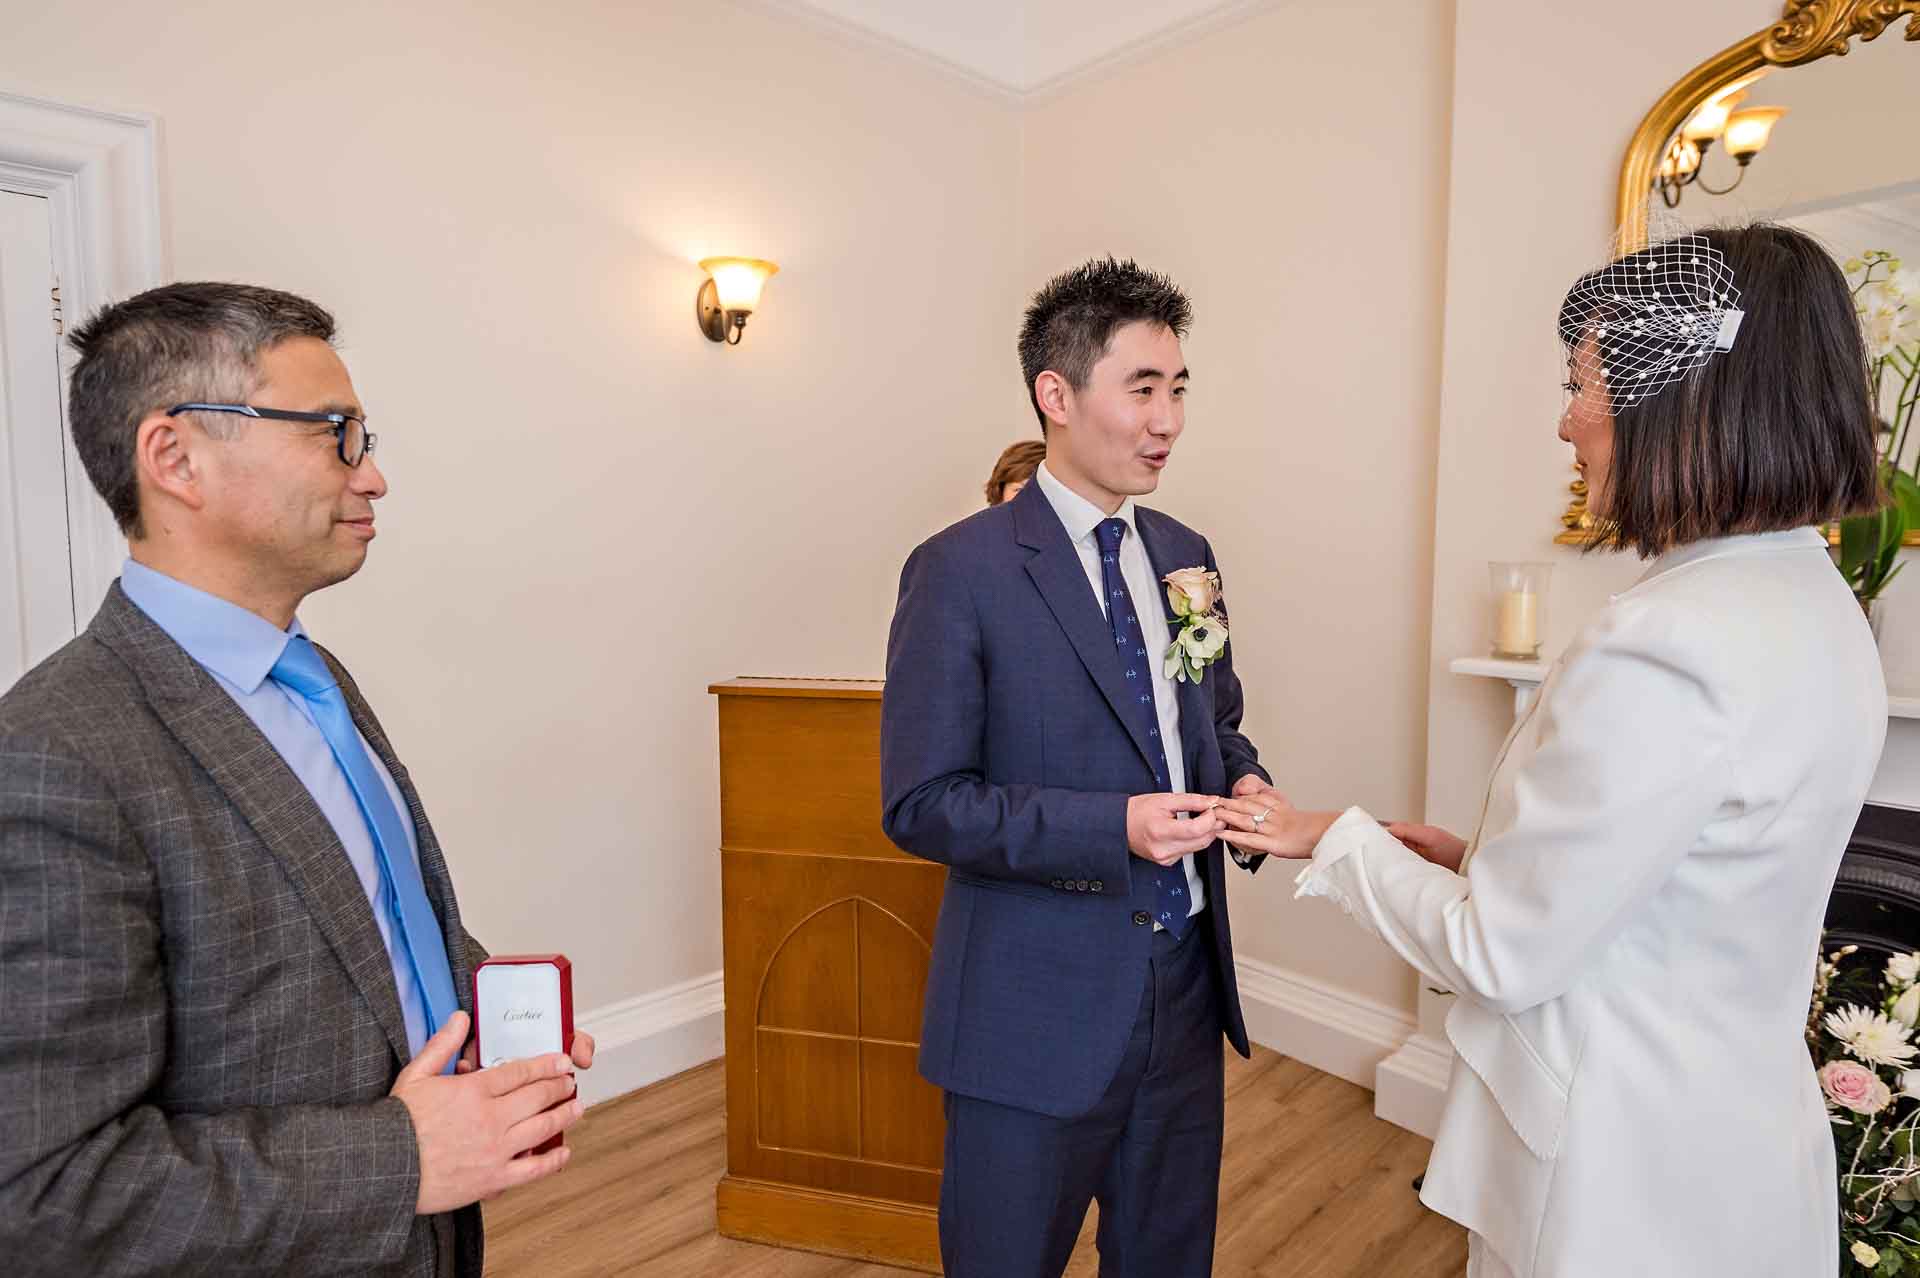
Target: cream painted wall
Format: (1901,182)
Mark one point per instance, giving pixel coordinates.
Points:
(595,512)
(1292,179)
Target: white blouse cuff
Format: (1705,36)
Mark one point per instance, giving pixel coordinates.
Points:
(1342,839)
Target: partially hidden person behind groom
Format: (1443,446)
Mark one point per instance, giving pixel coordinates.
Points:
(234,981)
(1013,470)
(1037,740)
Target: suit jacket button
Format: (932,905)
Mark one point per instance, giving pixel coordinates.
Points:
(1057,885)
(1140,918)
(1081,886)
(1098,886)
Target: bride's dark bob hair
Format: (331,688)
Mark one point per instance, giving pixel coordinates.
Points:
(1777,433)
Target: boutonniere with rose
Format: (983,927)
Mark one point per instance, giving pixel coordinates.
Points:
(1194,594)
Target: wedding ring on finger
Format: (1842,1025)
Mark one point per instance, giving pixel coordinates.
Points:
(1261,819)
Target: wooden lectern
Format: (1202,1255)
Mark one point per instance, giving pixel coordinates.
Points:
(833,1138)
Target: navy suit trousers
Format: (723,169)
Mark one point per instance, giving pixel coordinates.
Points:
(1017,1182)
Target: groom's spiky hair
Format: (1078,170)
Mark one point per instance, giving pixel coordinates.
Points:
(1073,317)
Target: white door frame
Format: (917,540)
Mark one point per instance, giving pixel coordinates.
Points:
(100,174)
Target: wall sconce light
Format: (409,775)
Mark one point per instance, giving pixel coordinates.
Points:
(1744,133)
(1748,131)
(730,294)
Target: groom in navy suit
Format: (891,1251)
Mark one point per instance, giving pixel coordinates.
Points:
(1032,742)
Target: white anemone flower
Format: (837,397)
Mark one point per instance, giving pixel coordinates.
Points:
(1203,639)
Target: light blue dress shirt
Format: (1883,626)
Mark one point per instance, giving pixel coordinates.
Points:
(239,649)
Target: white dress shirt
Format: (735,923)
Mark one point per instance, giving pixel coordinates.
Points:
(1081,517)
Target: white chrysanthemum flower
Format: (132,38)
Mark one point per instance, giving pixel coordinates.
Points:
(1903,970)
(1874,1038)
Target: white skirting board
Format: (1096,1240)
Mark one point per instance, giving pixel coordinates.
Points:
(654,1036)
(643,1040)
(1410,1087)
(1349,1036)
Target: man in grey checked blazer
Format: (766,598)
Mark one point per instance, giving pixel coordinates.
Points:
(204,1063)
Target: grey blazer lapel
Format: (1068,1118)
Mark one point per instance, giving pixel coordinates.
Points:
(1062,582)
(433,862)
(256,780)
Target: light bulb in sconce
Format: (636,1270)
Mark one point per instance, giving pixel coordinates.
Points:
(1748,131)
(1710,121)
(1682,159)
(730,293)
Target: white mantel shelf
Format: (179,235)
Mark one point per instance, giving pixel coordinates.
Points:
(1500,668)
(1524,677)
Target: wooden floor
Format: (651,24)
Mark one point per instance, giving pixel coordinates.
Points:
(1313,1186)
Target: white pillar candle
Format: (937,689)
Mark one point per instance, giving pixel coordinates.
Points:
(1517,631)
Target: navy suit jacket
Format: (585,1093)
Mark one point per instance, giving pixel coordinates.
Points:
(1004,755)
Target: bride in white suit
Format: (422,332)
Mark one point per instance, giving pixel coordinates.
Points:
(1632,931)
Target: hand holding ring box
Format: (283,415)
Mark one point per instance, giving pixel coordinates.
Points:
(522,1006)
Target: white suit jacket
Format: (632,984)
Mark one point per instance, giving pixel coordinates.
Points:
(1632,936)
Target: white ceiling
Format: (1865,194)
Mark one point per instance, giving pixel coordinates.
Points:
(1022,46)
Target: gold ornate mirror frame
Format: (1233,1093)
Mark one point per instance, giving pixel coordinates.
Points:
(1808,31)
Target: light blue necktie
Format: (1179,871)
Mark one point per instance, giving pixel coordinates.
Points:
(415,926)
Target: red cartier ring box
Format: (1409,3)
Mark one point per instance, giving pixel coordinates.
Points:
(522,1006)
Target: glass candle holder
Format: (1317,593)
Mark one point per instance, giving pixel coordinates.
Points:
(1519,608)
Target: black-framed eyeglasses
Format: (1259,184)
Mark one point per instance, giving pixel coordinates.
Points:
(355,440)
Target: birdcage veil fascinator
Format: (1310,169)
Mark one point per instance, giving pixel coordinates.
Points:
(1651,318)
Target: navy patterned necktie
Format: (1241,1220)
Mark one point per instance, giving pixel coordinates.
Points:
(1171,902)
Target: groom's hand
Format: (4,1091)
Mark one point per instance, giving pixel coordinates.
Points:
(1251,784)
(1162,828)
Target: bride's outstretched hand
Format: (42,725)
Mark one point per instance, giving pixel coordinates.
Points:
(1431,842)
(1264,822)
